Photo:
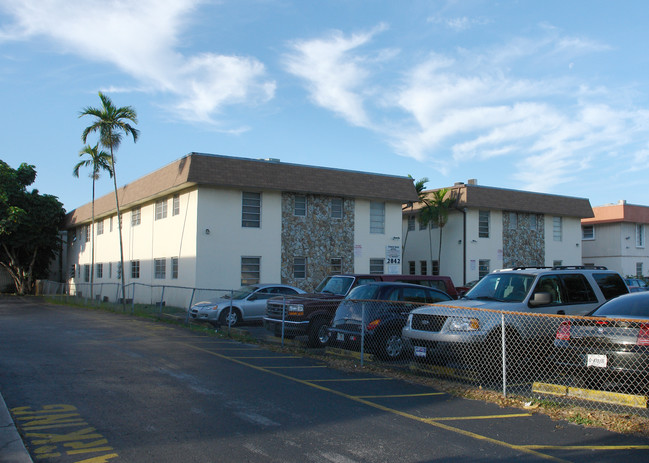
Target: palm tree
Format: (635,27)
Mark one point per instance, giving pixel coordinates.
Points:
(436,209)
(112,123)
(419,187)
(98,160)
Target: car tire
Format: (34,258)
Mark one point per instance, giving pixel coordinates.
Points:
(318,333)
(391,345)
(235,317)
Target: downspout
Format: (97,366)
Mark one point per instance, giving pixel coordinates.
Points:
(464,242)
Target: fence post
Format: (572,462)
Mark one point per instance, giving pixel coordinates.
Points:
(283,317)
(362,332)
(189,307)
(504,356)
(162,296)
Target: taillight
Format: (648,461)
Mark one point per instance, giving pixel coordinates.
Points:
(563,333)
(373,324)
(643,335)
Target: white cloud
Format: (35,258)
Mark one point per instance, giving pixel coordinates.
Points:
(141,39)
(335,74)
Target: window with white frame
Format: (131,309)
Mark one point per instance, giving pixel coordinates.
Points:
(299,208)
(422,225)
(135,269)
(412,267)
(377,266)
(110,221)
(175,205)
(638,269)
(483,267)
(588,232)
(513,220)
(435,268)
(411,222)
(557,228)
(336,265)
(159,269)
(251,209)
(377,217)
(250,270)
(136,215)
(639,235)
(174,268)
(100,227)
(161,209)
(86,273)
(88,232)
(119,270)
(483,224)
(336,208)
(99,270)
(299,268)
(557,263)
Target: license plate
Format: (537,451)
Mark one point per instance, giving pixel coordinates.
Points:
(340,336)
(596,360)
(420,351)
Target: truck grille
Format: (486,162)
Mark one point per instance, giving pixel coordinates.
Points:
(425,322)
(274,309)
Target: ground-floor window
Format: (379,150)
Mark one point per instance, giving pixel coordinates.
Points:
(159,269)
(86,273)
(174,268)
(435,268)
(424,267)
(250,270)
(376,266)
(483,267)
(135,269)
(336,265)
(99,270)
(412,269)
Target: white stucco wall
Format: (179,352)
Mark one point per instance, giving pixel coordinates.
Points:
(218,263)
(373,245)
(568,250)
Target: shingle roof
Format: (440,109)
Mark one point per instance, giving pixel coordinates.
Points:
(484,197)
(252,174)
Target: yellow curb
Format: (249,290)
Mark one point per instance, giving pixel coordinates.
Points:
(613,398)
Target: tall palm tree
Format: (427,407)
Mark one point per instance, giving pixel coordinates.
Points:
(435,211)
(98,160)
(112,123)
(419,187)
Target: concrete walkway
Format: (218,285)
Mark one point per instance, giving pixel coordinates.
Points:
(12,449)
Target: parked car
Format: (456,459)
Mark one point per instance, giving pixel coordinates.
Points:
(466,332)
(383,307)
(248,303)
(636,284)
(311,314)
(614,346)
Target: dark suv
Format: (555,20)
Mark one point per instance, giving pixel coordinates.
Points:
(311,314)
(375,313)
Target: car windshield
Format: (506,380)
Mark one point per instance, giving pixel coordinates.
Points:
(335,285)
(242,292)
(504,287)
(636,305)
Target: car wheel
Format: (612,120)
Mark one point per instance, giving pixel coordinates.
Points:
(319,333)
(391,346)
(233,319)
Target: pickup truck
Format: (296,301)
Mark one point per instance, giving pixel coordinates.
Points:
(311,314)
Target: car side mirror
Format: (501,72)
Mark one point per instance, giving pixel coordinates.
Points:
(540,298)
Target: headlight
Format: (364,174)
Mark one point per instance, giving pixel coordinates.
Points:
(463,324)
(295,309)
(409,321)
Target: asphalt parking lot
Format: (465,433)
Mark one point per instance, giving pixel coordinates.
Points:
(279,407)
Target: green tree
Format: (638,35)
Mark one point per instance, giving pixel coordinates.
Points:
(436,208)
(29,227)
(420,185)
(112,123)
(99,160)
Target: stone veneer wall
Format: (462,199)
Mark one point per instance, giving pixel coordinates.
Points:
(318,237)
(523,246)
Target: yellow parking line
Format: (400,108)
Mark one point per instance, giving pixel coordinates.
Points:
(426,394)
(298,367)
(261,357)
(485,417)
(587,447)
(473,435)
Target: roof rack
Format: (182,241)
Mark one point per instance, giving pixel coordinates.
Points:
(579,267)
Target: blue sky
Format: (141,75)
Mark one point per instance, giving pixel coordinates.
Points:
(548,96)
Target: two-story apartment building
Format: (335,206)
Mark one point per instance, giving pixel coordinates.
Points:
(491,228)
(615,238)
(207,221)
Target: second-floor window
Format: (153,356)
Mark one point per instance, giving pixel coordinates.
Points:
(639,235)
(136,216)
(299,268)
(557,228)
(100,227)
(300,206)
(88,233)
(377,217)
(588,232)
(513,220)
(251,210)
(161,209)
(483,224)
(336,265)
(336,208)
(175,210)
(411,222)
